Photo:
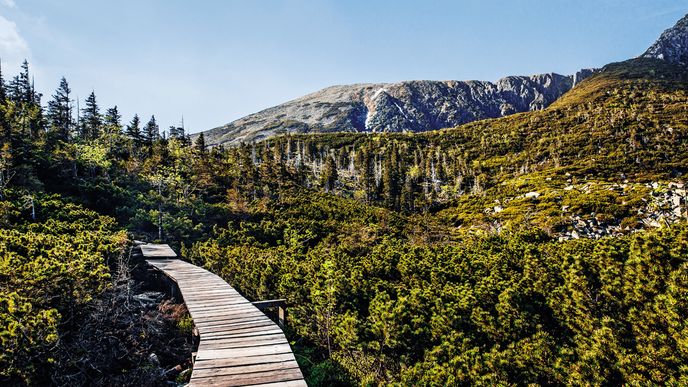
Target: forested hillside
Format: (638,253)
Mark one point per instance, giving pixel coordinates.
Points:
(547,247)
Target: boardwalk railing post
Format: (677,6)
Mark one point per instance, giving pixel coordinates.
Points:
(280,304)
(282,310)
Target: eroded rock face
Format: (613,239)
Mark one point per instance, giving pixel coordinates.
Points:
(413,106)
(672,45)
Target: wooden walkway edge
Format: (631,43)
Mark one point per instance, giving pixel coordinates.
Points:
(239,345)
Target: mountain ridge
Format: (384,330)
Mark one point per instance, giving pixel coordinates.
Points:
(407,106)
(420,106)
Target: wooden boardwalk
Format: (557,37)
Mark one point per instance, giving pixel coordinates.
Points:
(239,345)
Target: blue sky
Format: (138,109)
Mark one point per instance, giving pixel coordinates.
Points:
(216,61)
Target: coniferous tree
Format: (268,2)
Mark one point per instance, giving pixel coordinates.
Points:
(329,174)
(199,145)
(151,131)
(365,161)
(91,120)
(249,176)
(20,87)
(3,87)
(113,118)
(60,112)
(4,123)
(391,179)
(134,130)
(176,132)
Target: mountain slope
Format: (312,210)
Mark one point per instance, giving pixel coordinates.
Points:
(415,106)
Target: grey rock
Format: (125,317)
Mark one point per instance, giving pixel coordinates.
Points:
(583,74)
(153,359)
(672,45)
(148,299)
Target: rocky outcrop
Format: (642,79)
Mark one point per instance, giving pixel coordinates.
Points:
(667,204)
(414,106)
(582,74)
(672,45)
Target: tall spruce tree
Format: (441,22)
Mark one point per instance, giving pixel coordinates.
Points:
(176,132)
(329,174)
(199,145)
(91,120)
(365,160)
(60,112)
(4,123)
(113,118)
(151,132)
(3,87)
(134,130)
(391,179)
(20,87)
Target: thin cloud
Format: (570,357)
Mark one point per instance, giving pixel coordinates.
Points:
(13,48)
(9,3)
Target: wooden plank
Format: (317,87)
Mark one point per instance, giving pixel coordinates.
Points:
(249,342)
(230,340)
(290,383)
(246,345)
(229,315)
(229,319)
(157,251)
(216,306)
(234,323)
(257,326)
(244,369)
(256,335)
(242,361)
(216,335)
(229,310)
(249,379)
(220,335)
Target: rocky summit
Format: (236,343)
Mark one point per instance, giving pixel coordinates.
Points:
(413,106)
(672,45)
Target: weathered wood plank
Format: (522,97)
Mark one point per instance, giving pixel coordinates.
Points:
(249,378)
(250,342)
(245,332)
(222,317)
(242,352)
(239,340)
(236,323)
(248,327)
(220,335)
(234,362)
(290,383)
(245,369)
(157,251)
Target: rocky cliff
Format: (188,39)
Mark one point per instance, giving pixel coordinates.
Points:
(672,45)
